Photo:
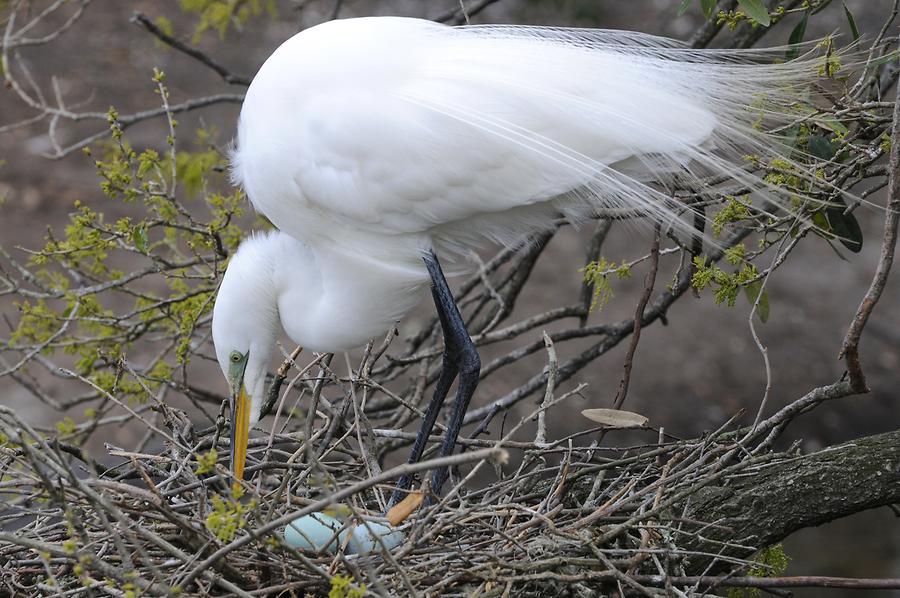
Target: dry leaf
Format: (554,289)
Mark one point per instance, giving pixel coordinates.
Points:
(615,418)
(403,509)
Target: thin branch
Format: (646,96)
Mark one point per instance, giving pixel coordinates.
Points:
(710,27)
(649,281)
(850,347)
(141,19)
(462,13)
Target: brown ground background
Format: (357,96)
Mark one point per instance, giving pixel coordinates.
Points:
(688,376)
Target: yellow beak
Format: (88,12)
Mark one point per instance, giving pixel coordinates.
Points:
(240,431)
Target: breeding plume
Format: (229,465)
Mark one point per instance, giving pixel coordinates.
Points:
(376,145)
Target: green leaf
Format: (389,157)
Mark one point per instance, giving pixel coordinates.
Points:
(139,237)
(845,227)
(709,8)
(833,125)
(853,28)
(757,11)
(752,292)
(685,4)
(796,37)
(821,147)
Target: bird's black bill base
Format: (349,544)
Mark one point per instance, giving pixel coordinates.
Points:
(460,358)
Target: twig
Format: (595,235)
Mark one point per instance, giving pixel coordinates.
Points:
(711,27)
(649,281)
(850,347)
(462,13)
(336,9)
(540,437)
(141,19)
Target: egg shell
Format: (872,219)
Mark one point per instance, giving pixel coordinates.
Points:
(365,538)
(313,532)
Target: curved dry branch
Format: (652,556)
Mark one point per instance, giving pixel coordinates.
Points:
(764,505)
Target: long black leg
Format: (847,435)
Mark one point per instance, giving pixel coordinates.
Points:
(460,357)
(448,374)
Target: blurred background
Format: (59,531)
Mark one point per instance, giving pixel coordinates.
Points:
(689,375)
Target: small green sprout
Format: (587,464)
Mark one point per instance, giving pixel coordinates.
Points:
(206,462)
(344,587)
(597,274)
(228,516)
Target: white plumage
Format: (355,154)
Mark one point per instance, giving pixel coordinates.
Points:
(369,141)
(361,128)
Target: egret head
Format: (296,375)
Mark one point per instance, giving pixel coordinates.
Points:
(244,328)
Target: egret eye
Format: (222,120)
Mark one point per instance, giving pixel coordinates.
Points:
(236,357)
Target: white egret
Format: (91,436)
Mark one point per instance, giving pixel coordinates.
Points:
(375,144)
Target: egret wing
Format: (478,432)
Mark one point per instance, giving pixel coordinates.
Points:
(407,127)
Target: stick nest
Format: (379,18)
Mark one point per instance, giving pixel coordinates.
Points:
(518,518)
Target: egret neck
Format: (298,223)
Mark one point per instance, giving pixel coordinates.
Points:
(331,299)
(326,299)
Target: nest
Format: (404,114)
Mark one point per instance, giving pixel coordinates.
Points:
(568,517)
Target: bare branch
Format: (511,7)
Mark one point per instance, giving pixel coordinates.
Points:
(141,19)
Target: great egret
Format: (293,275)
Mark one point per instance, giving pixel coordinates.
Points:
(375,144)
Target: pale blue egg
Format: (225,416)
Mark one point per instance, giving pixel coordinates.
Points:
(315,532)
(321,532)
(371,536)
